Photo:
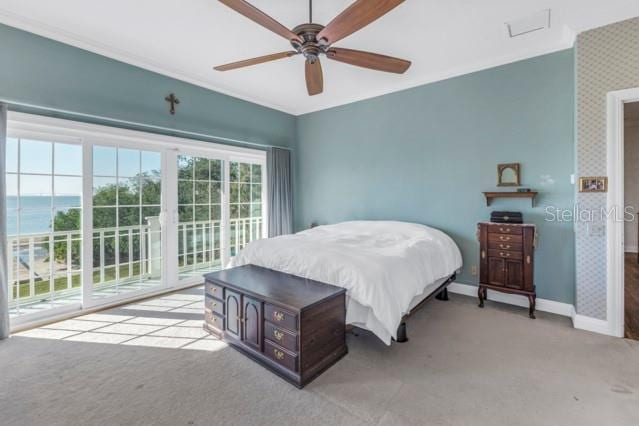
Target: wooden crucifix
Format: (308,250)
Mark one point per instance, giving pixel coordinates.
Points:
(173,100)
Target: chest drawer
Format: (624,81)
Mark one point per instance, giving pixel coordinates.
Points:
(214,321)
(214,290)
(280,355)
(501,245)
(504,229)
(280,317)
(281,336)
(505,254)
(214,305)
(505,238)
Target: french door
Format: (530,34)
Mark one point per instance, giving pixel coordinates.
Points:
(219,210)
(98,215)
(126,223)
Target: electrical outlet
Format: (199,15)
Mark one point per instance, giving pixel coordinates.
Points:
(473,270)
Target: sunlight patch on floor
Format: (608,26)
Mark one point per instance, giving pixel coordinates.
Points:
(162,328)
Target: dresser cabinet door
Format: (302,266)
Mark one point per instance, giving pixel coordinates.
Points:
(252,325)
(233,314)
(514,274)
(496,271)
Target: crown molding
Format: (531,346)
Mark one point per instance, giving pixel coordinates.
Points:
(63,36)
(75,40)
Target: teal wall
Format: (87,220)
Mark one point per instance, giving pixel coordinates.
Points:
(421,155)
(426,154)
(39,71)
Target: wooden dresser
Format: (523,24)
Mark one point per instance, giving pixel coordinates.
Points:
(293,326)
(507,260)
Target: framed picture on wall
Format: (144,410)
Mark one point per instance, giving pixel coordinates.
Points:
(593,184)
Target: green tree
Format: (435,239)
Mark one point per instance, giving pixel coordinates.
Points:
(144,189)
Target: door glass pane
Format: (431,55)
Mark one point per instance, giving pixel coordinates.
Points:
(36,157)
(44,212)
(127,236)
(11,160)
(200,224)
(245,206)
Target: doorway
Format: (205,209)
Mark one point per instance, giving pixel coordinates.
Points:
(631,227)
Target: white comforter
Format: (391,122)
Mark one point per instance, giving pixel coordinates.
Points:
(382,264)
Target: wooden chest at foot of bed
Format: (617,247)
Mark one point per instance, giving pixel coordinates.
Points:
(293,326)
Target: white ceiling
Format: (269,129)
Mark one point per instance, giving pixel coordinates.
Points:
(185,39)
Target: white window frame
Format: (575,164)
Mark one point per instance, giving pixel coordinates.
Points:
(62,130)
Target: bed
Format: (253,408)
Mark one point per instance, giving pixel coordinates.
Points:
(388,268)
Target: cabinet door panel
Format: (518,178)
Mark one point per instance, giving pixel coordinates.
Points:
(233,314)
(496,271)
(252,334)
(514,274)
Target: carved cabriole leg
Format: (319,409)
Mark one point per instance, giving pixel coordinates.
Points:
(480,293)
(401,333)
(532,300)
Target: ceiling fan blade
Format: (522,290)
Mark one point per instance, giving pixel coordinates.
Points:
(355,17)
(261,18)
(373,61)
(314,78)
(255,61)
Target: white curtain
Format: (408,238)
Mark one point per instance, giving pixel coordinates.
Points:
(4,285)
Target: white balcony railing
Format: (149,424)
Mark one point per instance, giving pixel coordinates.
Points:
(46,266)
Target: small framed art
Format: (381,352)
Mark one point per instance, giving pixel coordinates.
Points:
(593,184)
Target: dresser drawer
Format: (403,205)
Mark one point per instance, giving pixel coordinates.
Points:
(504,229)
(280,355)
(280,317)
(214,290)
(501,245)
(506,254)
(281,336)
(505,238)
(214,321)
(214,305)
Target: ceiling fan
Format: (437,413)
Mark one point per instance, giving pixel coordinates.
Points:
(313,40)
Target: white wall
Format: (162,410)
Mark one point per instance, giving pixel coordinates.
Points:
(631,181)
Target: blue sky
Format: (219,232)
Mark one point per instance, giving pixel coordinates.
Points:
(45,166)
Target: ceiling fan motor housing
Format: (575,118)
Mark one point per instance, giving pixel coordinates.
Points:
(311,48)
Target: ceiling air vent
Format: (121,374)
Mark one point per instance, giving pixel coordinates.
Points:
(537,22)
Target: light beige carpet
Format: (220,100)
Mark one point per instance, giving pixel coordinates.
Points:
(462,366)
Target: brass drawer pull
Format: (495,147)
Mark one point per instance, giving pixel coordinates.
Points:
(279,316)
(504,246)
(502,254)
(502,238)
(504,230)
(278,354)
(528,260)
(278,334)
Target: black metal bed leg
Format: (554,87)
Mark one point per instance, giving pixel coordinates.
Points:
(401,333)
(442,295)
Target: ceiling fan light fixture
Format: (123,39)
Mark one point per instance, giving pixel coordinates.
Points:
(313,40)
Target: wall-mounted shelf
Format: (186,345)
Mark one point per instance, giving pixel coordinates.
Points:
(510,194)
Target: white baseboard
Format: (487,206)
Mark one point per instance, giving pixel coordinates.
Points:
(581,322)
(558,308)
(631,248)
(594,325)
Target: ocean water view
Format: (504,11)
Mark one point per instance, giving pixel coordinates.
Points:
(37,212)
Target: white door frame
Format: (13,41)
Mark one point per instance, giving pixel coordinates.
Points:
(616,203)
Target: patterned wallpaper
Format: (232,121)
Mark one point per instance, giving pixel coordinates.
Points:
(607,60)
